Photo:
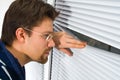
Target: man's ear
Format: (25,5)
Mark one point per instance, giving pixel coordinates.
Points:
(20,34)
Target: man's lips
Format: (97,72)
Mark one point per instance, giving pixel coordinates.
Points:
(47,52)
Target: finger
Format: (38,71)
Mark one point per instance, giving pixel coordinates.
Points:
(67,51)
(71,45)
(69,36)
(74,41)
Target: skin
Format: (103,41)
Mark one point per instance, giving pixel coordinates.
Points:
(35,48)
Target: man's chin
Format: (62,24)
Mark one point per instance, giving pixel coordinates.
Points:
(43,61)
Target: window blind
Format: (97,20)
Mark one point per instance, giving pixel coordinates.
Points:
(89,63)
(98,19)
(86,64)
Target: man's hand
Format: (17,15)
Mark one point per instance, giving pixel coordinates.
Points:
(64,41)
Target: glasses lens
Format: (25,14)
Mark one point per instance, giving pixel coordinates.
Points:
(49,37)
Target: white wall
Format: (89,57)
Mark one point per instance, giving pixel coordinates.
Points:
(4,4)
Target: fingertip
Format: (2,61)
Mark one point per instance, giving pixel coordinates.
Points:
(71,55)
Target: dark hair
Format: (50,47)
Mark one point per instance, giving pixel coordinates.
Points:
(26,13)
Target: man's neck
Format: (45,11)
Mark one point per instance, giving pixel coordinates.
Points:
(21,57)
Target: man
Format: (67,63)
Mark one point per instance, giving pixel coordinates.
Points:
(27,35)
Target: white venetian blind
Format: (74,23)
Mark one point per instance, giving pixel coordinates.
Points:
(86,64)
(89,63)
(98,19)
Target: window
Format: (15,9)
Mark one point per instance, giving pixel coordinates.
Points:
(98,23)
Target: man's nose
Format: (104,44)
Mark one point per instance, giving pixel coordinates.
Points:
(51,43)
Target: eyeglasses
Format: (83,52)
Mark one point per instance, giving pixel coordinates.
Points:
(46,36)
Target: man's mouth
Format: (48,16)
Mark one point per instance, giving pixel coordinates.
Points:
(48,51)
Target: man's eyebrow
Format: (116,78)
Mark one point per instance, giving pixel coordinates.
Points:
(48,32)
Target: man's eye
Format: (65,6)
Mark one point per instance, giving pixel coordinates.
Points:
(46,35)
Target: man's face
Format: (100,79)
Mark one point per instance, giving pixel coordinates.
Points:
(37,48)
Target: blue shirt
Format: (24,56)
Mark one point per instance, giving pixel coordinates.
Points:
(10,68)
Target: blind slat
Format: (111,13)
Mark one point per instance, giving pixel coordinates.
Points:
(92,24)
(92,13)
(111,3)
(94,7)
(90,18)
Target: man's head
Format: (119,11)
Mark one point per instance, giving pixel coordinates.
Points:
(25,13)
(26,27)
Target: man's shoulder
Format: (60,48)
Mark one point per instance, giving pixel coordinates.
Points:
(2,48)
(4,60)
(4,74)
(7,72)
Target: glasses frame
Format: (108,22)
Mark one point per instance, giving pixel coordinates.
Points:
(47,38)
